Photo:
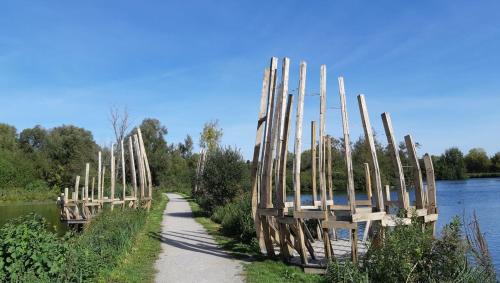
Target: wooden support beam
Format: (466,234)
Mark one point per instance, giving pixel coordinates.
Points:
(112,176)
(146,162)
(396,160)
(369,138)
(99,181)
(77,184)
(347,148)
(431,183)
(66,192)
(329,166)
(417,173)
(284,152)
(93,188)
(261,122)
(132,167)
(368,181)
(124,184)
(281,149)
(87,168)
(103,175)
(141,165)
(267,165)
(322,129)
(314,161)
(296,164)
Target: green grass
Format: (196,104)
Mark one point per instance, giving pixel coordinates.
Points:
(137,265)
(22,194)
(259,268)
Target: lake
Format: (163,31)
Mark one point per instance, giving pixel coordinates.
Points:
(459,198)
(48,210)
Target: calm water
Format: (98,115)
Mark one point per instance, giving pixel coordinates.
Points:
(48,210)
(460,198)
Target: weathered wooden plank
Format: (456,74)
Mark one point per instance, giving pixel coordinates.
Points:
(124,184)
(140,163)
(132,167)
(371,216)
(87,168)
(335,224)
(347,148)
(322,129)
(310,214)
(314,161)
(417,173)
(329,166)
(92,193)
(261,119)
(266,181)
(112,196)
(99,180)
(365,118)
(296,163)
(283,128)
(431,183)
(146,162)
(77,184)
(396,160)
(368,181)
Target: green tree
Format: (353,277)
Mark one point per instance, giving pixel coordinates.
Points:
(33,139)
(153,135)
(211,135)
(477,161)
(8,137)
(68,149)
(495,162)
(450,165)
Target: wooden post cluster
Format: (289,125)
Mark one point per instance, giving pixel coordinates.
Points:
(280,223)
(79,209)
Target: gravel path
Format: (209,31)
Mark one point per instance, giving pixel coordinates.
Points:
(189,254)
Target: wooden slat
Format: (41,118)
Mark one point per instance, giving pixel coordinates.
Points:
(132,167)
(431,182)
(310,214)
(296,164)
(417,173)
(314,160)
(146,162)
(329,166)
(396,160)
(87,168)
(112,175)
(369,138)
(431,218)
(261,119)
(124,184)
(368,181)
(347,148)
(322,128)
(282,132)
(99,181)
(334,224)
(362,217)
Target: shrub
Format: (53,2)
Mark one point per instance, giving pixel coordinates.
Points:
(224,177)
(29,252)
(236,219)
(344,271)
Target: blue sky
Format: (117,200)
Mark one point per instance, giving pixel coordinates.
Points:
(434,65)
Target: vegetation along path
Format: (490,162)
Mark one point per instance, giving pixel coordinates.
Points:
(189,254)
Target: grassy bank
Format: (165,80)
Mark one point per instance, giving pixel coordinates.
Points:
(22,194)
(258,268)
(484,175)
(115,247)
(137,264)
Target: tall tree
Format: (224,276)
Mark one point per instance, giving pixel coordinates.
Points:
(211,135)
(477,161)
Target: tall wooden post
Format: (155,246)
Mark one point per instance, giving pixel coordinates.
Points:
(141,165)
(417,173)
(348,159)
(296,164)
(431,188)
(93,188)
(123,173)
(329,166)
(145,161)
(261,123)
(367,127)
(283,131)
(87,168)
(368,181)
(347,148)
(322,128)
(112,176)
(313,161)
(396,160)
(99,181)
(132,169)
(267,165)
